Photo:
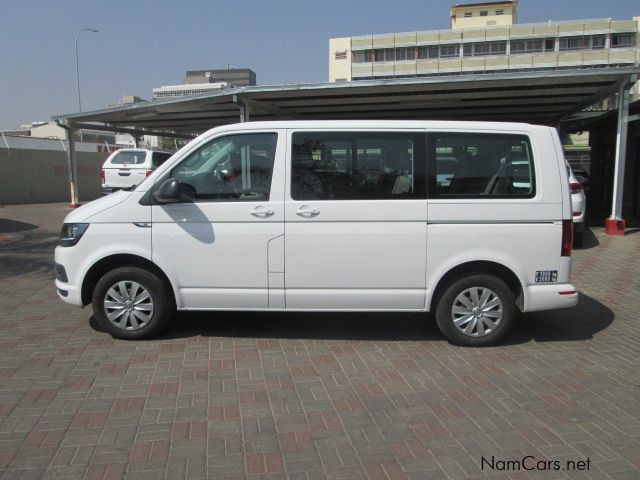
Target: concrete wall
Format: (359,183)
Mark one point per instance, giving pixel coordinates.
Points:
(35,170)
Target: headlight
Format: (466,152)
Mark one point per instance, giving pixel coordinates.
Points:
(71,233)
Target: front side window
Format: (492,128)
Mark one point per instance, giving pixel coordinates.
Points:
(469,165)
(358,165)
(230,168)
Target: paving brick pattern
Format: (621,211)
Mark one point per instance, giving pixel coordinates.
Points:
(376,396)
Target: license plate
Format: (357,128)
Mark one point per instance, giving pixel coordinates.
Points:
(546,276)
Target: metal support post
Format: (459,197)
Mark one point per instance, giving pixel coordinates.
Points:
(244,112)
(71,166)
(615,224)
(244,108)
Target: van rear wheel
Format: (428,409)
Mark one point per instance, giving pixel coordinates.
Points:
(476,311)
(131,303)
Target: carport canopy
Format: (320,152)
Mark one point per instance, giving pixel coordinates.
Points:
(538,97)
(541,97)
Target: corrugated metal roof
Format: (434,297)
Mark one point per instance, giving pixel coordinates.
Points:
(543,97)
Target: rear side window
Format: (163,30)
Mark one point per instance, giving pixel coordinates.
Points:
(158,158)
(358,165)
(129,158)
(468,165)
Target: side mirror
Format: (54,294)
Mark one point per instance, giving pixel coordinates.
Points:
(168,191)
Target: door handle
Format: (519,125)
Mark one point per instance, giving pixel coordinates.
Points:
(262,212)
(305,211)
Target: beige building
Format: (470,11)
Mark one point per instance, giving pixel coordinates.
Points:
(485,38)
(486,14)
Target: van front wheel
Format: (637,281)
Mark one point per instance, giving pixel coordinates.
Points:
(131,303)
(476,311)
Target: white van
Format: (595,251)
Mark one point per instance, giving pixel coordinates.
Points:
(471,221)
(128,167)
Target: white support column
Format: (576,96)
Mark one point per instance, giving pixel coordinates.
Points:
(244,112)
(615,224)
(71,166)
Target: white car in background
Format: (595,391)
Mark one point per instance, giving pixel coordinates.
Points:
(128,167)
(578,206)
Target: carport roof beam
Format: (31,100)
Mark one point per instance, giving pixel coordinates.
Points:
(132,131)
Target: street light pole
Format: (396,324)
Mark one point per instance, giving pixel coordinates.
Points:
(73,182)
(77,65)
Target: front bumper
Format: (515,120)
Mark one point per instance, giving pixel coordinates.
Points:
(549,297)
(66,272)
(69,293)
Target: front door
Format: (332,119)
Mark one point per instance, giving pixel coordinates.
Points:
(216,242)
(355,220)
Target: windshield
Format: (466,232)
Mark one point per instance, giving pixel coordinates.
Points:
(129,158)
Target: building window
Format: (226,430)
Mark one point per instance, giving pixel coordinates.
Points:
(341,55)
(447,51)
(362,56)
(573,43)
(549,44)
(500,12)
(485,48)
(594,42)
(384,55)
(428,52)
(484,13)
(405,53)
(597,41)
(468,14)
(619,40)
(526,46)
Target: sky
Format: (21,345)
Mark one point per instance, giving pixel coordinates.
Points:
(144,44)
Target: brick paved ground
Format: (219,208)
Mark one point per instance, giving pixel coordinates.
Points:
(312,396)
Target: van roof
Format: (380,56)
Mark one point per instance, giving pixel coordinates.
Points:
(393,124)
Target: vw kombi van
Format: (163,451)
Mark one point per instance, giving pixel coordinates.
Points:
(468,220)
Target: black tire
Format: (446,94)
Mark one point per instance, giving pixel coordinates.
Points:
(445,315)
(160,304)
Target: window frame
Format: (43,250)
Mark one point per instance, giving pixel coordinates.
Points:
(432,186)
(420,169)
